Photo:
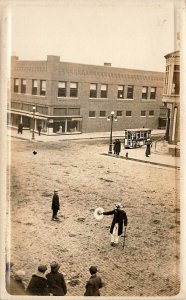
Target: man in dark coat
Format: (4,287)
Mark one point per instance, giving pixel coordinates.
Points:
(38,283)
(55,205)
(117,147)
(148,147)
(56,281)
(20,128)
(119,219)
(93,284)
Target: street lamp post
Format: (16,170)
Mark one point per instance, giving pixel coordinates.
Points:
(34,110)
(111,118)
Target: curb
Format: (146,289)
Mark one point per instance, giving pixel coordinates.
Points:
(145,161)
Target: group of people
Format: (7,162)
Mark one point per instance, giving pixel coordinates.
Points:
(50,284)
(117,147)
(20,129)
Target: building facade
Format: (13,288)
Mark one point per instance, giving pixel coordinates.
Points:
(171,98)
(77,98)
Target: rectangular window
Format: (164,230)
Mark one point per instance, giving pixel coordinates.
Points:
(73,89)
(119,113)
(128,113)
(143,113)
(176,82)
(43,87)
(130,90)
(60,111)
(23,86)
(42,110)
(92,114)
(103,91)
(151,112)
(153,93)
(102,113)
(73,111)
(34,87)
(120,92)
(27,107)
(16,85)
(61,89)
(93,90)
(16,105)
(144,92)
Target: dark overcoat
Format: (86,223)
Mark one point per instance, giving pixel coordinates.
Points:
(120,217)
(93,285)
(38,286)
(117,146)
(55,202)
(56,283)
(148,148)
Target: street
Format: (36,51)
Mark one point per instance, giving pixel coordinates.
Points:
(149,263)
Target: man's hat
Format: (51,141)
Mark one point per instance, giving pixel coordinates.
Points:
(19,274)
(93,270)
(42,268)
(55,190)
(98,213)
(54,266)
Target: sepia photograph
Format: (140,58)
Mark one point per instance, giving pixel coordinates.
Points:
(91,189)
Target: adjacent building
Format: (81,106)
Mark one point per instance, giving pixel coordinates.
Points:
(64,97)
(171,98)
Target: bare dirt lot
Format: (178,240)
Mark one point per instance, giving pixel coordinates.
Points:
(149,263)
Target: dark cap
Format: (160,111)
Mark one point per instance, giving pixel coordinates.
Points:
(54,266)
(42,268)
(93,270)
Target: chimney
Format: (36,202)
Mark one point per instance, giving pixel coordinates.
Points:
(107,64)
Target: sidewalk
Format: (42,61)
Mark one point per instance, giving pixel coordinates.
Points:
(27,134)
(159,152)
(159,156)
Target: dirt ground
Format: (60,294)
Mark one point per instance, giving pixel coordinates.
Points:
(149,263)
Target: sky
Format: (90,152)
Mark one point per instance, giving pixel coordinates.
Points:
(134,34)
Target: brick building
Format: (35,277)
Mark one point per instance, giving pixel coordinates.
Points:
(171,98)
(72,98)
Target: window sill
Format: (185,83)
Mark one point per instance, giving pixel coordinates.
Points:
(67,98)
(143,116)
(148,100)
(126,99)
(128,116)
(98,98)
(151,116)
(92,117)
(102,117)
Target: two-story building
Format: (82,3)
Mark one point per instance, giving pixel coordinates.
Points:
(77,98)
(171,98)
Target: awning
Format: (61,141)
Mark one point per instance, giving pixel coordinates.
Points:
(30,115)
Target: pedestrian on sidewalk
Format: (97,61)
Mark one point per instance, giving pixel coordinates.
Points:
(20,128)
(55,205)
(56,281)
(117,147)
(93,284)
(39,129)
(119,219)
(38,283)
(148,147)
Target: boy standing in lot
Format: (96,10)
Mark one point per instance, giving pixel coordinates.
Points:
(93,284)
(55,205)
